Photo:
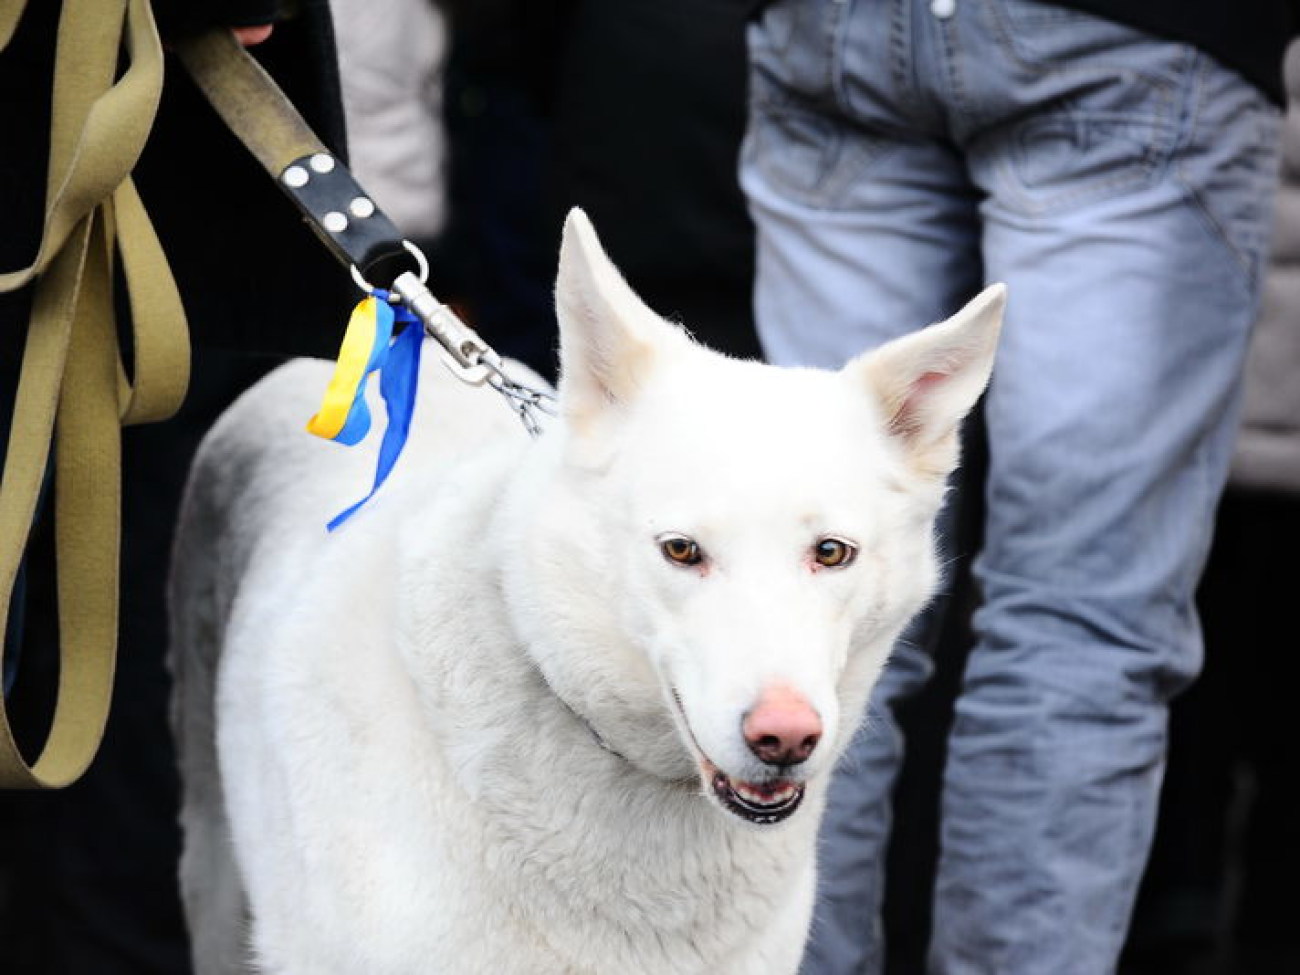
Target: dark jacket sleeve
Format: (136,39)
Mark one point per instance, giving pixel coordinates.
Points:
(177,17)
(252,275)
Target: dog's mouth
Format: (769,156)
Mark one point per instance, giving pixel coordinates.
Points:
(761,803)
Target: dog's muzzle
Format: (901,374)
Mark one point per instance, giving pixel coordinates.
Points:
(762,803)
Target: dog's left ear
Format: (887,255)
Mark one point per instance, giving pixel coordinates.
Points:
(609,339)
(926,382)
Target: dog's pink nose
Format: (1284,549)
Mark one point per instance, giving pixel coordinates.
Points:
(782,728)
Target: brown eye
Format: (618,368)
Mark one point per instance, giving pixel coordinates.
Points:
(834,553)
(680,550)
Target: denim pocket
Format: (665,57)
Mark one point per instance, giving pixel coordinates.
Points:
(813,159)
(776,27)
(1073,158)
(792,43)
(1103,105)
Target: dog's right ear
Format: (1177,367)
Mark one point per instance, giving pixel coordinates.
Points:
(926,382)
(609,339)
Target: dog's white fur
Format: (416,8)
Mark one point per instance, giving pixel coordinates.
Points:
(446,738)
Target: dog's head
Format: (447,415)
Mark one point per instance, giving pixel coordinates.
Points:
(727,550)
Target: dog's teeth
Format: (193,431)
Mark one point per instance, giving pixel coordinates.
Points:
(766,797)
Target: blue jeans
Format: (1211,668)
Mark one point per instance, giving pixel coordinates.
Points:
(899,154)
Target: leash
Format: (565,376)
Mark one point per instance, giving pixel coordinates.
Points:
(73,394)
(367,242)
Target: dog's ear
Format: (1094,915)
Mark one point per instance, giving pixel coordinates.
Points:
(609,339)
(926,382)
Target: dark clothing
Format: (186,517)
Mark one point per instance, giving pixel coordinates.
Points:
(649,114)
(560,103)
(1219,892)
(253,276)
(177,17)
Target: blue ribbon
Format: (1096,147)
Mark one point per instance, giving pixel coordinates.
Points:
(398,364)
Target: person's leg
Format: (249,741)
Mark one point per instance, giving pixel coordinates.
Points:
(1128,184)
(867,229)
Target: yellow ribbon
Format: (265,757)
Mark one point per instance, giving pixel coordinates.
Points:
(364,344)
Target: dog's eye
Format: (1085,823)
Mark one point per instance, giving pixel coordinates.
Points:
(680,550)
(834,553)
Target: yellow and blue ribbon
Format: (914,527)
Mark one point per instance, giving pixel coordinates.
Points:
(369,347)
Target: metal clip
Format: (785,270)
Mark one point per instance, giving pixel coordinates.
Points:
(464,353)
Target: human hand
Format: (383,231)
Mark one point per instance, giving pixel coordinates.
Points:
(249,36)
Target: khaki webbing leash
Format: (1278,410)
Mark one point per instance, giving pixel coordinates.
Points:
(248,100)
(267,123)
(73,393)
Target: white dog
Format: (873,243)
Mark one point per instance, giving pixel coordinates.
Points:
(555,705)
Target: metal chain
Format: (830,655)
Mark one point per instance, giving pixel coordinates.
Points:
(526,401)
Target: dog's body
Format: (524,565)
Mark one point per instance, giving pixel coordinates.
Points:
(519,714)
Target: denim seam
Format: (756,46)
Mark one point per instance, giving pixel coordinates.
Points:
(1244,261)
(1182,99)
(837,40)
(952,61)
(1201,466)
(902,49)
(898,48)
